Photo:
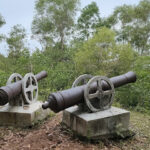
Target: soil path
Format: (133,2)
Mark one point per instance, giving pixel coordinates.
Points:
(49,135)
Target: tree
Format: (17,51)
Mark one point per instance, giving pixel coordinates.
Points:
(134,24)
(2,22)
(100,55)
(18,52)
(16,41)
(88,20)
(3,60)
(107,22)
(137,95)
(53,21)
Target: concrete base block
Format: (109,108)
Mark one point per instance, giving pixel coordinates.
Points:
(22,116)
(101,124)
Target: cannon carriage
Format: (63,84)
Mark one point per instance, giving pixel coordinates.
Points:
(19,90)
(19,100)
(87,107)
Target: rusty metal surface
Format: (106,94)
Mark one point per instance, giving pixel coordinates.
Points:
(67,98)
(13,90)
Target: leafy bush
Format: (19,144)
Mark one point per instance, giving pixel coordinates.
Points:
(100,55)
(3,78)
(137,95)
(59,66)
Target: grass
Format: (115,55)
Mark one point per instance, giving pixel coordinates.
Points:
(140,124)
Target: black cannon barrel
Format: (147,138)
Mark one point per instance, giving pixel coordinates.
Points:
(67,98)
(11,91)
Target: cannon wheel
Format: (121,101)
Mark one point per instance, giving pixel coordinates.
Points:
(14,78)
(103,103)
(30,88)
(19,99)
(82,79)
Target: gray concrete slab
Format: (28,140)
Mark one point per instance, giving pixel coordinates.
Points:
(22,116)
(91,125)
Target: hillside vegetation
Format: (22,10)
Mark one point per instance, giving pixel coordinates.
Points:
(88,44)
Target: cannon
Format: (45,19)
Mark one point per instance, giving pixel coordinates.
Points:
(21,91)
(97,94)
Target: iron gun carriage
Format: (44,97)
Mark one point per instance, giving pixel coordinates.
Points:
(20,90)
(96,95)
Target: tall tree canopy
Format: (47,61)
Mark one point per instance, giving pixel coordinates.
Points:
(135,25)
(88,20)
(2,22)
(102,55)
(16,41)
(18,52)
(54,20)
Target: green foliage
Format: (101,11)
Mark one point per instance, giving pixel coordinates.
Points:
(2,21)
(54,20)
(3,78)
(88,20)
(135,25)
(4,70)
(62,76)
(101,55)
(18,53)
(108,22)
(137,95)
(15,41)
(59,66)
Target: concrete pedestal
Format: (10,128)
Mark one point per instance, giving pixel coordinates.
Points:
(22,116)
(97,125)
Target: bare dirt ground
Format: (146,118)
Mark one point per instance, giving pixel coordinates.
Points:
(49,135)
